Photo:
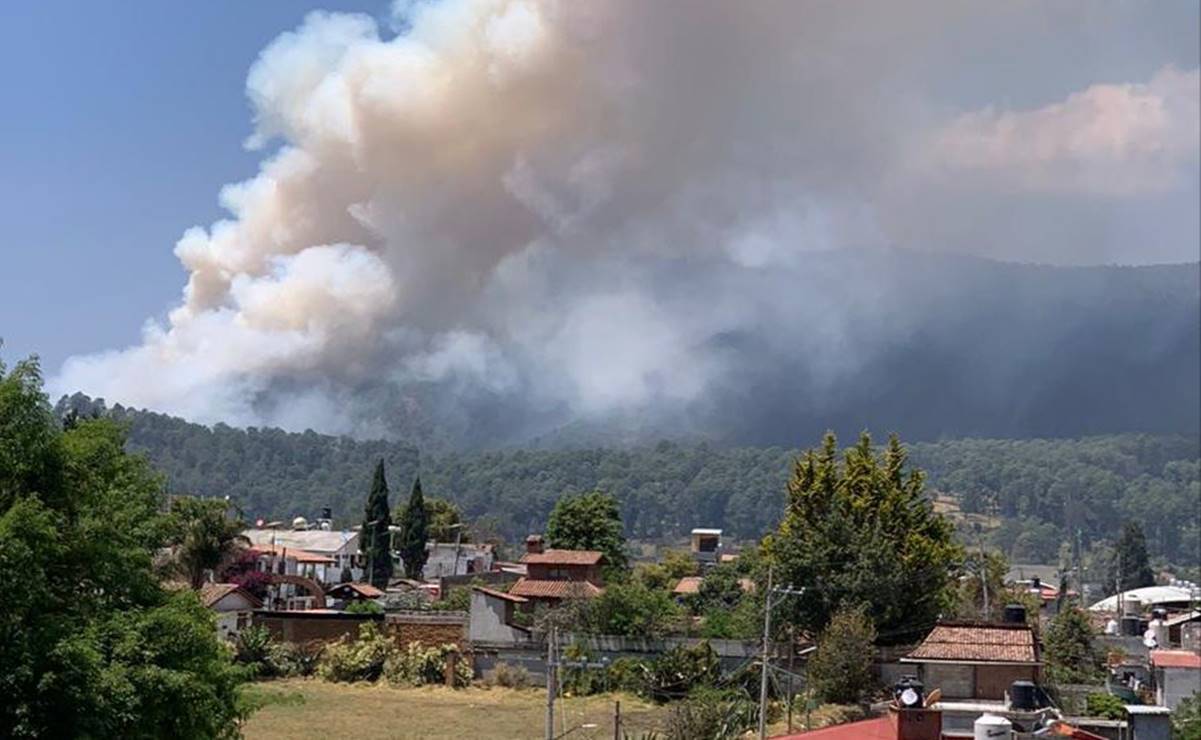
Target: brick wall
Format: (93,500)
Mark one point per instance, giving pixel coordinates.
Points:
(306,628)
(428,629)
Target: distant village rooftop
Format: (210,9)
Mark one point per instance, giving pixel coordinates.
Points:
(563,557)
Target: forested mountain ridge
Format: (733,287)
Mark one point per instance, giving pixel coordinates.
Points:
(1040,488)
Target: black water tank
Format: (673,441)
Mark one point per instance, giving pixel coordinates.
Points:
(1132,625)
(1015,614)
(1023,696)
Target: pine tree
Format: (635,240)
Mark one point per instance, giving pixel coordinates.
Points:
(858,530)
(1131,567)
(374,537)
(414,532)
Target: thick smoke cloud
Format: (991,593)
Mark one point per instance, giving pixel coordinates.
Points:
(568,210)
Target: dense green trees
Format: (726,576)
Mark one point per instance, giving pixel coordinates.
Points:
(414,533)
(375,539)
(589,521)
(1043,490)
(90,643)
(858,532)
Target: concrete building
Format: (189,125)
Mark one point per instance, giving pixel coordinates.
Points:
(553,575)
(451,559)
(1176,674)
(492,617)
(706,545)
(337,549)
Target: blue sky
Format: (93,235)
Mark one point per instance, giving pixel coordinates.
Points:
(122,121)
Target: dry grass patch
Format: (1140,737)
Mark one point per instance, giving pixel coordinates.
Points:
(308,708)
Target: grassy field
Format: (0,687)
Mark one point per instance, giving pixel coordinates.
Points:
(305,708)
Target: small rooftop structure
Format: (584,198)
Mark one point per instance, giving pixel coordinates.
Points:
(706,545)
(300,556)
(687,585)
(355,592)
(975,642)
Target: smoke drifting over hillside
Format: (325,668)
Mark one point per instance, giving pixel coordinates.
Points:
(518,213)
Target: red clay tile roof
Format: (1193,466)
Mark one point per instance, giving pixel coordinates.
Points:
(1175,659)
(977,643)
(564,557)
(500,595)
(300,556)
(879,728)
(365,590)
(211,593)
(554,589)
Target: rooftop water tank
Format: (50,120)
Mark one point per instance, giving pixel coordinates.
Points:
(1023,696)
(1014,614)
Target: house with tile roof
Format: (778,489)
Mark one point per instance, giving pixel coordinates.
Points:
(555,574)
(233,606)
(1176,675)
(977,660)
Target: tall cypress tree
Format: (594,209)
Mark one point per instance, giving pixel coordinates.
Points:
(1131,567)
(374,536)
(414,532)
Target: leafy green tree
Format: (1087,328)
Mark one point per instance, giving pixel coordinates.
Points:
(589,521)
(981,570)
(90,643)
(632,610)
(858,530)
(443,516)
(1186,720)
(840,670)
(204,538)
(414,533)
(1131,566)
(1069,650)
(375,537)
(720,590)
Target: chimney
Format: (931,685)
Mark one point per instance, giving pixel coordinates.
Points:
(920,723)
(533,544)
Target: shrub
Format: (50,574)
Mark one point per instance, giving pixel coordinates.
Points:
(710,714)
(417,666)
(289,660)
(840,670)
(456,600)
(1105,705)
(364,607)
(360,660)
(252,646)
(674,674)
(509,676)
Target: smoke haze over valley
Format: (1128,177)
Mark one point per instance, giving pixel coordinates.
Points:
(487,222)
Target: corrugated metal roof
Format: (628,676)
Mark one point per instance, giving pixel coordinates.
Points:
(564,557)
(313,540)
(294,553)
(986,643)
(554,589)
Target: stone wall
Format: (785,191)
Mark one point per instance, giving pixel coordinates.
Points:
(312,627)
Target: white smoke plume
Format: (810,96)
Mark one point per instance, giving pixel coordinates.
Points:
(578,205)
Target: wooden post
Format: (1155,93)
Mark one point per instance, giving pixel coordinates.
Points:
(449,671)
(617,720)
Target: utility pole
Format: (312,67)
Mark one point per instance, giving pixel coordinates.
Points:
(763,666)
(551,669)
